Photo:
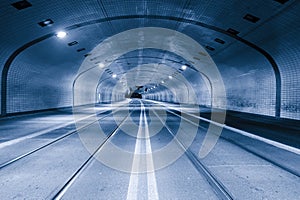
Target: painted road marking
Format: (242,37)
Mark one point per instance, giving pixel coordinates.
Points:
(151,179)
(132,193)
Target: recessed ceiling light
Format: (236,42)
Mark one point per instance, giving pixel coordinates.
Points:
(251,18)
(47,22)
(232,31)
(114,75)
(72,43)
(219,41)
(162,82)
(282,1)
(101,65)
(20,5)
(170,77)
(183,67)
(61,34)
(210,48)
(79,50)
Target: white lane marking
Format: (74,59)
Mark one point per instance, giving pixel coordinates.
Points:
(245,133)
(132,192)
(151,179)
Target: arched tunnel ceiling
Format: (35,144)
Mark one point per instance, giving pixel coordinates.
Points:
(155,62)
(35,58)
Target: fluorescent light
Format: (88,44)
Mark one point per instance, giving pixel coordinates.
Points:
(101,65)
(183,67)
(114,75)
(170,77)
(61,34)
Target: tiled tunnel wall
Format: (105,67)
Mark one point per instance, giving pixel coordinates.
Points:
(249,80)
(290,105)
(201,89)
(283,43)
(38,80)
(32,89)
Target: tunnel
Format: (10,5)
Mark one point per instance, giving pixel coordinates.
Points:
(150,99)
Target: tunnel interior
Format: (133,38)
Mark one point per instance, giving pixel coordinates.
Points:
(184,87)
(259,67)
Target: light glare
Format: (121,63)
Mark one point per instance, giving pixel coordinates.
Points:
(61,34)
(101,65)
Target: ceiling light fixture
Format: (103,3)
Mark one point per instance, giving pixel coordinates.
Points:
(61,34)
(282,1)
(219,41)
(114,75)
(170,77)
(101,65)
(81,49)
(210,48)
(20,5)
(251,18)
(232,31)
(162,82)
(72,43)
(47,22)
(183,67)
